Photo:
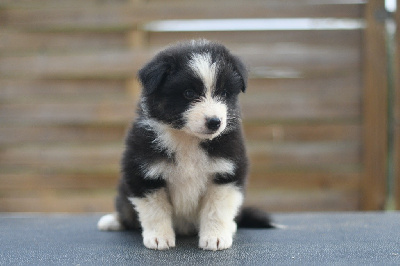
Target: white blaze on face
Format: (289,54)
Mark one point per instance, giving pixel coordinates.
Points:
(205,69)
(208,106)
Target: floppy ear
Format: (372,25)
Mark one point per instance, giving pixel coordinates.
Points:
(153,74)
(241,69)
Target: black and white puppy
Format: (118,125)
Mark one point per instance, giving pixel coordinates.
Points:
(185,164)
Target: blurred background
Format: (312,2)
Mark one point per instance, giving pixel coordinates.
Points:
(321,114)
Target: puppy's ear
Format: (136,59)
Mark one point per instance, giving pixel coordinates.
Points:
(241,69)
(154,73)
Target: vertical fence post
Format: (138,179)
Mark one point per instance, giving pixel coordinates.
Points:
(397,108)
(137,39)
(373,187)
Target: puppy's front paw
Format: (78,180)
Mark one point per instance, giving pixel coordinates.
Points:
(215,242)
(159,241)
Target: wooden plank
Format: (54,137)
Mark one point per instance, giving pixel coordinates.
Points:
(375,110)
(306,201)
(11,135)
(63,155)
(267,156)
(66,113)
(304,180)
(348,82)
(99,180)
(23,91)
(124,16)
(318,38)
(61,181)
(103,201)
(114,64)
(264,156)
(58,159)
(17,41)
(293,58)
(302,132)
(314,102)
(305,60)
(334,97)
(58,201)
(96,3)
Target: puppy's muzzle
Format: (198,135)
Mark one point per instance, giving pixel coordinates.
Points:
(213,123)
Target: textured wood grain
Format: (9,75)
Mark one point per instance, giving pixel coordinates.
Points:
(290,59)
(375,110)
(61,17)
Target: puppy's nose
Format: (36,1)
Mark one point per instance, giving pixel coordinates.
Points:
(213,123)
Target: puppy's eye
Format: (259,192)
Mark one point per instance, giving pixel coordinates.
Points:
(224,93)
(189,94)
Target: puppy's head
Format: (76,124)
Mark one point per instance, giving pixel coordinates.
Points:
(194,87)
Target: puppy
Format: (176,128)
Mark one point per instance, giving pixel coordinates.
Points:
(185,166)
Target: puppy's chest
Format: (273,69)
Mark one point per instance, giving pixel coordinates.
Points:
(187,178)
(191,172)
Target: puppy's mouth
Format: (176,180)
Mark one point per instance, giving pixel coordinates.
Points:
(211,128)
(206,135)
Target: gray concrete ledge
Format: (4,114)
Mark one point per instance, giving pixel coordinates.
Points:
(308,239)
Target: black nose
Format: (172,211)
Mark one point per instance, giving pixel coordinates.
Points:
(213,123)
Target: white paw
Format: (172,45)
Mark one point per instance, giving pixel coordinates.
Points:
(215,242)
(109,222)
(158,241)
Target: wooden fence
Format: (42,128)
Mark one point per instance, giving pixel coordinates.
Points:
(315,114)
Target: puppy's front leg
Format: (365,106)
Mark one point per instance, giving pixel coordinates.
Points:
(219,207)
(155,215)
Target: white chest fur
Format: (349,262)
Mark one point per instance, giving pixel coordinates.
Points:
(189,175)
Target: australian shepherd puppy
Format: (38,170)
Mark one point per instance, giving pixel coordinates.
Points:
(185,166)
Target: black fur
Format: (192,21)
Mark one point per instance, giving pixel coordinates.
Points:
(253,218)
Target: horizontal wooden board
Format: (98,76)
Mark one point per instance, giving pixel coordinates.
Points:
(267,156)
(264,156)
(324,38)
(88,101)
(97,90)
(12,135)
(349,83)
(18,41)
(94,133)
(103,201)
(96,3)
(63,155)
(304,180)
(313,103)
(102,180)
(114,64)
(58,201)
(317,101)
(127,15)
(59,181)
(70,113)
(278,133)
(301,60)
(40,91)
(311,200)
